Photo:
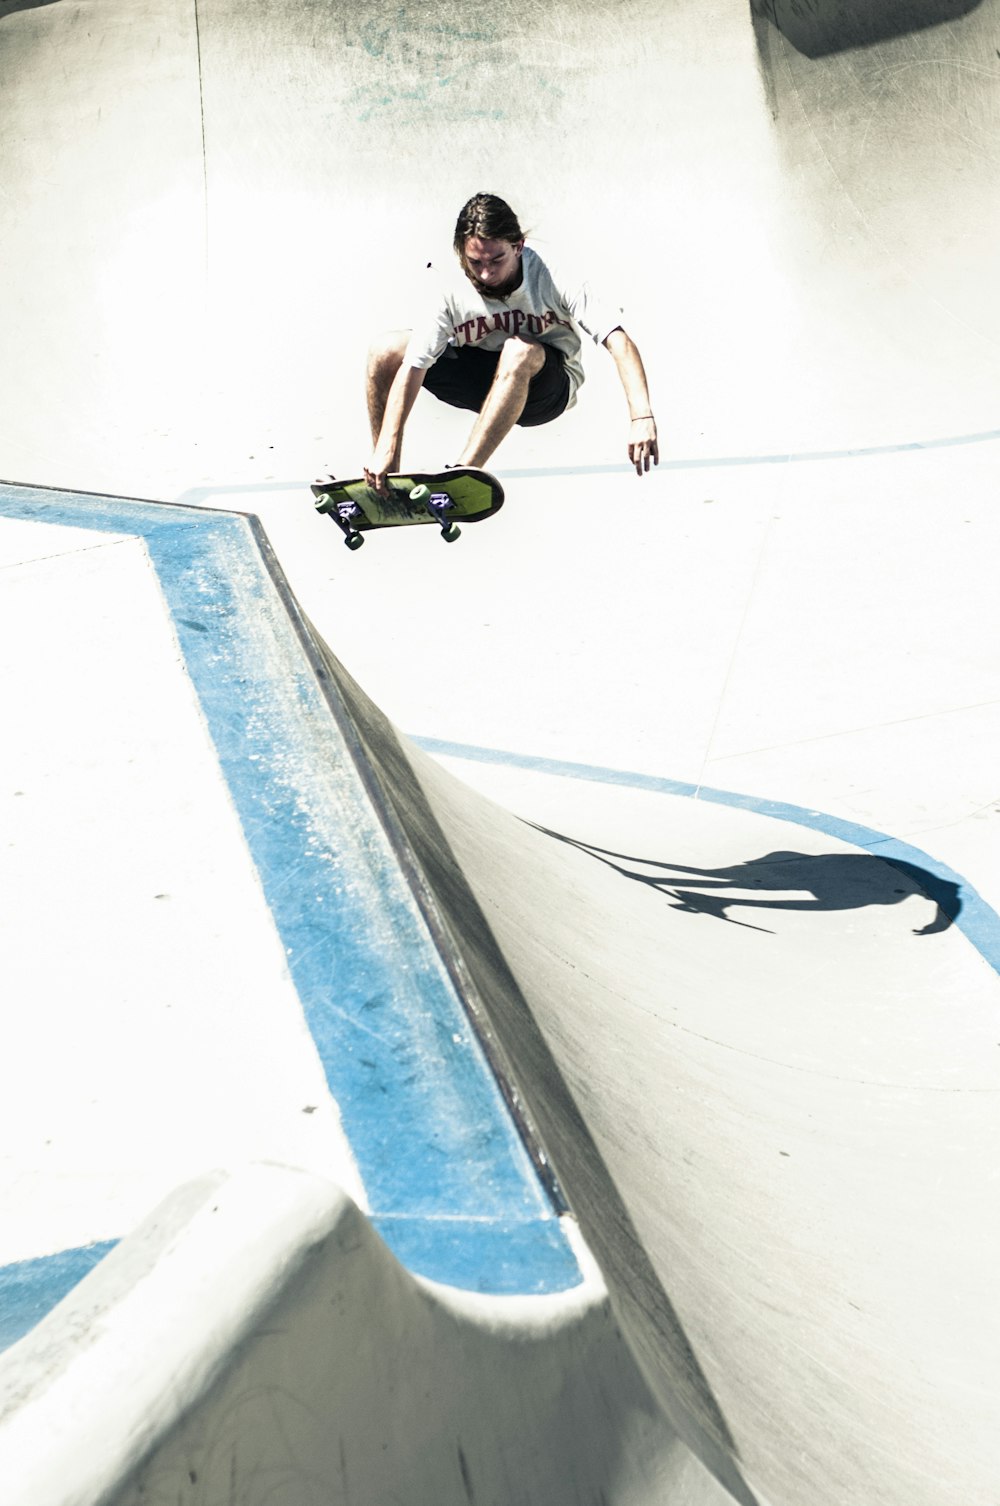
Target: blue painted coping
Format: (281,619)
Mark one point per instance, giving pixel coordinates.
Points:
(972,915)
(450,1182)
(31,1288)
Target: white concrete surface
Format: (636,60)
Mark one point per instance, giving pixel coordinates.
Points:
(325,1371)
(208,212)
(133,922)
(792,1107)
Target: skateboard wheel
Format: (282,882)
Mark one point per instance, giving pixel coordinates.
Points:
(421,495)
(354,540)
(324,502)
(451,533)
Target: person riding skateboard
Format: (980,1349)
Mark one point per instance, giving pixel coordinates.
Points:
(501,338)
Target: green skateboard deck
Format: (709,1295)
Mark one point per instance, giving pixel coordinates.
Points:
(440,497)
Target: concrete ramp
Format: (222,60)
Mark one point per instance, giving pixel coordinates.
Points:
(255,1341)
(226,946)
(630,1149)
(750,1048)
(634,1149)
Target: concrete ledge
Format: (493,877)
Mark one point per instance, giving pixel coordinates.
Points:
(254,1340)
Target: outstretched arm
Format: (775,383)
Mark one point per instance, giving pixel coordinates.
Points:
(642,445)
(389,445)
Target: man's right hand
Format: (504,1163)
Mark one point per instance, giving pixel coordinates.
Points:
(377,470)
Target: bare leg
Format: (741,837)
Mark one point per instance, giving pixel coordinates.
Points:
(520,360)
(384,360)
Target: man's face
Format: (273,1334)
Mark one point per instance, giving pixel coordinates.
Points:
(494,267)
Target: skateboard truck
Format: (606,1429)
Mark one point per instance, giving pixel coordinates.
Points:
(343,513)
(346,513)
(438,504)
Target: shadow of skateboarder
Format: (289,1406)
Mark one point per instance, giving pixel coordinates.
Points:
(826,881)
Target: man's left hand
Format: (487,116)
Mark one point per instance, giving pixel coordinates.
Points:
(642,444)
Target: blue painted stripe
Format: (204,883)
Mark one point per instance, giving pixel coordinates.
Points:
(418,1243)
(791,457)
(31,1288)
(199,495)
(426,1120)
(977,920)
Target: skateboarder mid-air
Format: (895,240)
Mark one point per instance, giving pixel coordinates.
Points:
(501,337)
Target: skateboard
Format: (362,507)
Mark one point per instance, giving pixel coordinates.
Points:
(414,497)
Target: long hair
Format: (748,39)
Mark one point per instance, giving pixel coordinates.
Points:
(489,218)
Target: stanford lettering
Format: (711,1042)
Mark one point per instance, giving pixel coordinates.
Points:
(510,322)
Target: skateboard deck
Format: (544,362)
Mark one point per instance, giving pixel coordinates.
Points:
(440,497)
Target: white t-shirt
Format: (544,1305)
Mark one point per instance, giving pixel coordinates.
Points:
(544,306)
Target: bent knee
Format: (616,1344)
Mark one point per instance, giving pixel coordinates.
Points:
(520,354)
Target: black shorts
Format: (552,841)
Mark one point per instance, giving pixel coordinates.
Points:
(462,377)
